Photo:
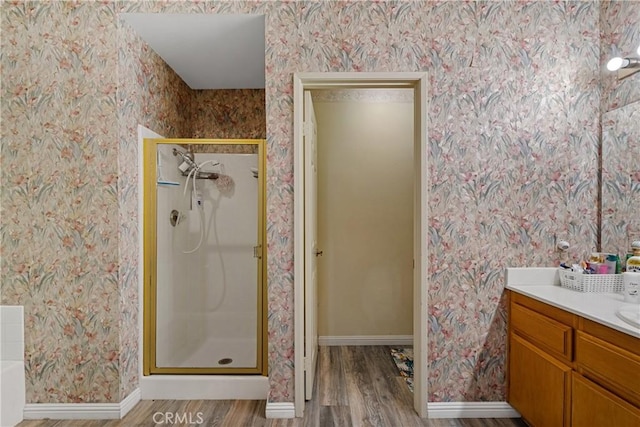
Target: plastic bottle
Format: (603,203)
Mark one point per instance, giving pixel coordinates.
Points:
(631,278)
(611,264)
(633,262)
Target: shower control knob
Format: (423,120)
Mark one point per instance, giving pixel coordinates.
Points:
(175,217)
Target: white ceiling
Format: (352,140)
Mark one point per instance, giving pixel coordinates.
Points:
(207,51)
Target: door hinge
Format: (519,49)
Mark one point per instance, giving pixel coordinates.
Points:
(257,251)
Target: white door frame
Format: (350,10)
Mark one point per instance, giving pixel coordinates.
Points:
(417,81)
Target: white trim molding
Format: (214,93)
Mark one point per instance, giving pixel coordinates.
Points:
(471,410)
(365,340)
(280,410)
(129,402)
(82,411)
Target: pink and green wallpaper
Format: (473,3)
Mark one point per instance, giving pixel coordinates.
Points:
(228,114)
(515,97)
(59,199)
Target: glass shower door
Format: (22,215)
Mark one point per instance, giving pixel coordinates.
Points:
(206,311)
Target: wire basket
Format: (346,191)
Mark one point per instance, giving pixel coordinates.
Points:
(601,283)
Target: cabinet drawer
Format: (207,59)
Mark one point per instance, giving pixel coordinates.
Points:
(610,366)
(594,406)
(550,335)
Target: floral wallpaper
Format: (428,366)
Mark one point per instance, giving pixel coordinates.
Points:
(225,148)
(151,94)
(228,114)
(513,116)
(363,95)
(60,195)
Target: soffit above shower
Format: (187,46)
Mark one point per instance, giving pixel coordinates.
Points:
(208,51)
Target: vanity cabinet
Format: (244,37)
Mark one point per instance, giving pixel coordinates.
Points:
(565,370)
(593,405)
(540,361)
(540,384)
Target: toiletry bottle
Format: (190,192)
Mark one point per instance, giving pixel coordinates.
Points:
(611,264)
(633,262)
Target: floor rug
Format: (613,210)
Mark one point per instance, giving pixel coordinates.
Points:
(403,358)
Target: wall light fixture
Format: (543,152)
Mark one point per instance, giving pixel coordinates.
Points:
(625,66)
(618,63)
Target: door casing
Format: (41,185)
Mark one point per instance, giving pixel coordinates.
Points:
(418,82)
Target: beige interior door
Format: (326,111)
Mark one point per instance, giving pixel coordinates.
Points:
(311,251)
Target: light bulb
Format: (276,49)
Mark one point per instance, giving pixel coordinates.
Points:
(638,50)
(616,63)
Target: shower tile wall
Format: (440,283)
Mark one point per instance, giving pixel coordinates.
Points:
(174,272)
(514,101)
(206,301)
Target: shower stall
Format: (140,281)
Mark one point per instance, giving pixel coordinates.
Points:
(204,296)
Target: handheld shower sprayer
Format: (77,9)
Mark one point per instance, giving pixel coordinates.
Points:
(192,170)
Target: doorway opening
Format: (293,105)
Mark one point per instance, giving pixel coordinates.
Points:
(365,216)
(306,250)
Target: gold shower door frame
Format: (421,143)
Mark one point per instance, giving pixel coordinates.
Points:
(150,260)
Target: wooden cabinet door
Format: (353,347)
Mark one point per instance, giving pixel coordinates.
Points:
(592,405)
(539,385)
(610,366)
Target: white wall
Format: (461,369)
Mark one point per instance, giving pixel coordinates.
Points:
(365,217)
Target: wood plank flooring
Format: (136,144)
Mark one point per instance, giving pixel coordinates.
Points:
(355,386)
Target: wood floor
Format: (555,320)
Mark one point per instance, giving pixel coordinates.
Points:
(355,386)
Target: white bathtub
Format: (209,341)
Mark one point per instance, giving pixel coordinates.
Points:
(12,393)
(12,385)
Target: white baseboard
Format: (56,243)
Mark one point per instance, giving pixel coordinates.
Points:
(365,340)
(471,410)
(129,402)
(280,410)
(81,411)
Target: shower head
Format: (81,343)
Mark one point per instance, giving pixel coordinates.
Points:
(187,163)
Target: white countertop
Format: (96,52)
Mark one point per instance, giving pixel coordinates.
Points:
(543,284)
